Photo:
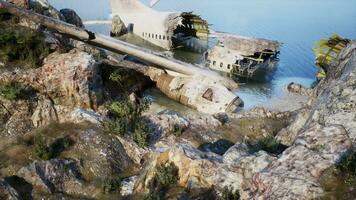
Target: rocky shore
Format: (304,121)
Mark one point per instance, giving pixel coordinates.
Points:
(74,125)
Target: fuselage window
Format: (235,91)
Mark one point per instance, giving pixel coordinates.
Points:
(156,36)
(159,36)
(221,64)
(164,37)
(167,37)
(228,66)
(143,34)
(214,63)
(149,35)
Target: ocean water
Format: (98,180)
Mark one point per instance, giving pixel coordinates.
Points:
(298,24)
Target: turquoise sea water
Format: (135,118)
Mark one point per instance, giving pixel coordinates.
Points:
(298,24)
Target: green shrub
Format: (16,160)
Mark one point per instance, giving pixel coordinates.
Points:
(41,149)
(22,46)
(167,175)
(141,135)
(110,185)
(230,194)
(152,196)
(44,151)
(14,91)
(270,145)
(347,169)
(126,118)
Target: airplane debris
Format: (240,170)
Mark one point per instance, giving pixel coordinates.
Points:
(242,56)
(204,90)
(327,50)
(168,30)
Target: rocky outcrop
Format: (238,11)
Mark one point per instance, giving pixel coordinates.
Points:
(72,79)
(321,134)
(19,3)
(103,155)
(300,167)
(54,176)
(204,170)
(72,17)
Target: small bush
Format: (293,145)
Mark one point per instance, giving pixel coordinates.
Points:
(110,185)
(270,145)
(230,194)
(126,118)
(347,169)
(141,135)
(41,149)
(22,46)
(167,175)
(14,91)
(44,151)
(152,196)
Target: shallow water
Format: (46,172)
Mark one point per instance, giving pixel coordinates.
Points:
(298,24)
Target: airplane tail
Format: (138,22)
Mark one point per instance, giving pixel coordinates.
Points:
(126,6)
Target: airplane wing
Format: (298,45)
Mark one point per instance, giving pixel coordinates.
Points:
(153,2)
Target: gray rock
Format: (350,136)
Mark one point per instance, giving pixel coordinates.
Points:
(118,27)
(103,154)
(53,176)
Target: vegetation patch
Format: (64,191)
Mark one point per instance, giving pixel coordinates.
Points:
(268,144)
(166,177)
(218,147)
(230,194)
(110,185)
(347,169)
(44,151)
(21,47)
(15,91)
(126,118)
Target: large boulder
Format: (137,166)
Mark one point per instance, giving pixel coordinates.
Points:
(199,169)
(72,79)
(300,167)
(102,154)
(55,176)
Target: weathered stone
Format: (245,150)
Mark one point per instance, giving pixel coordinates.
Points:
(118,27)
(295,175)
(7,191)
(72,79)
(299,89)
(54,176)
(127,186)
(20,3)
(103,155)
(72,17)
(204,170)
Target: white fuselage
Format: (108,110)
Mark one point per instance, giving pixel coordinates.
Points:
(145,22)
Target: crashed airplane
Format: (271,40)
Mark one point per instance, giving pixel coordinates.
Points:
(168,30)
(235,55)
